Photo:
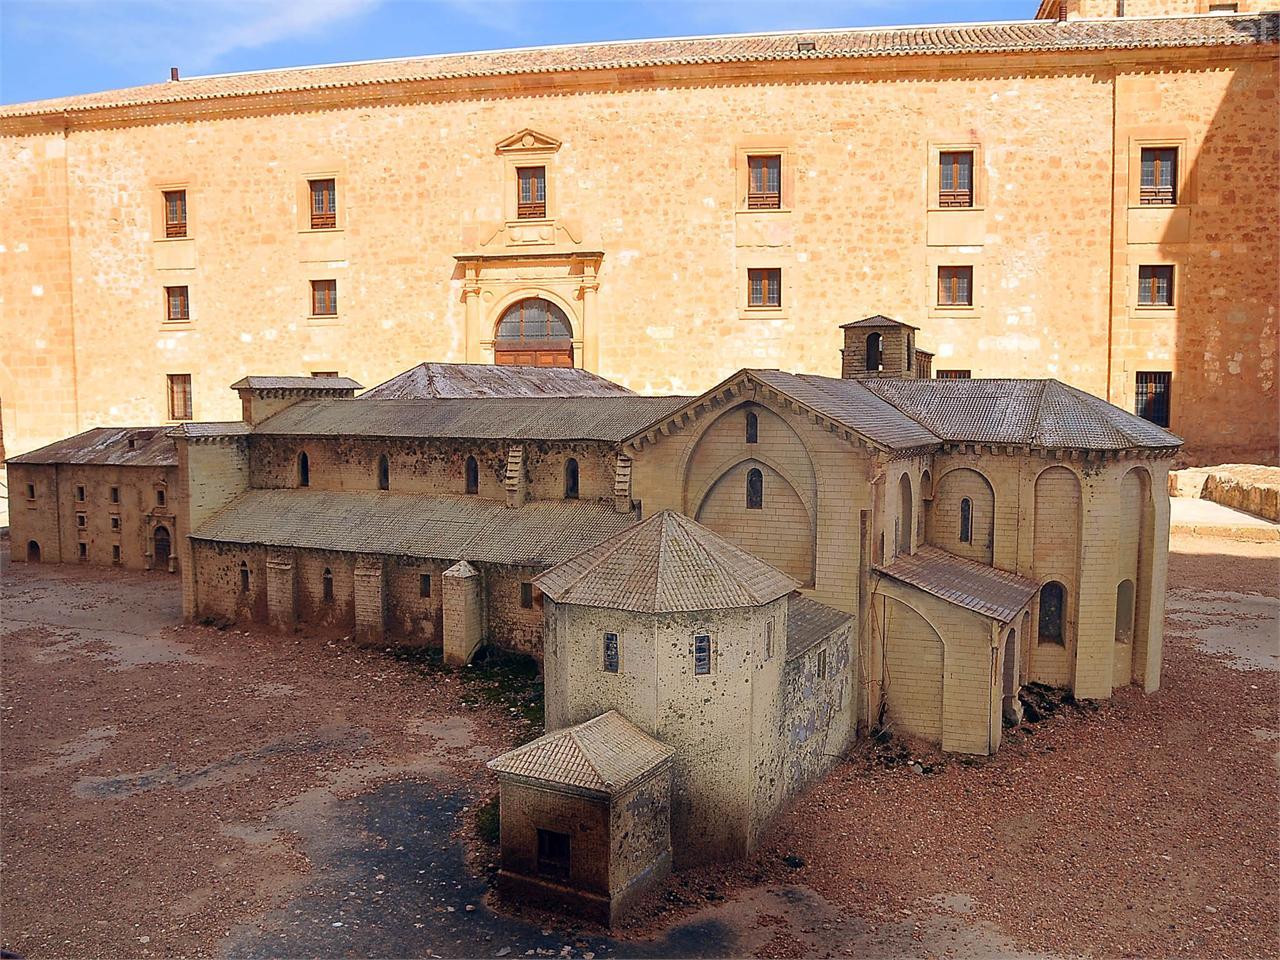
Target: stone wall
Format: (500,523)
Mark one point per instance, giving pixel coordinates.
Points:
(819,715)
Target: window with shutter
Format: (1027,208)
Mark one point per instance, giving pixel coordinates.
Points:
(324,298)
(179,396)
(764,287)
(955,286)
(1155,286)
(175,213)
(955,178)
(531,201)
(177,304)
(764,182)
(324,204)
(1159,185)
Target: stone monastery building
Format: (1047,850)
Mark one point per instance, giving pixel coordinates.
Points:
(1090,196)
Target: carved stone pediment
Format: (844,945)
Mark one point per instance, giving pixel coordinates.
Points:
(528,141)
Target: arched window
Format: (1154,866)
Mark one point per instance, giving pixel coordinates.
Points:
(161,547)
(304,470)
(906,506)
(1124,611)
(755,489)
(534,332)
(1053,600)
(33,551)
(472,475)
(244,577)
(875,352)
(384,473)
(753,427)
(966,520)
(571,479)
(328,585)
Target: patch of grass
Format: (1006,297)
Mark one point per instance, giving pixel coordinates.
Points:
(488,823)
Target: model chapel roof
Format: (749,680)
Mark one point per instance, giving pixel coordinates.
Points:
(109,446)
(430,380)
(667,564)
(605,755)
(974,586)
(317,384)
(1030,36)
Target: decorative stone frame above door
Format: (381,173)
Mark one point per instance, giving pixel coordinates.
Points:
(529,148)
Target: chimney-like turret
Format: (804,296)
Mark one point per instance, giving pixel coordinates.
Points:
(882,347)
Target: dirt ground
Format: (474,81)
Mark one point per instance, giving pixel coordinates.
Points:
(175,790)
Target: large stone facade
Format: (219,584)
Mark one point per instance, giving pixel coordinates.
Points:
(646,173)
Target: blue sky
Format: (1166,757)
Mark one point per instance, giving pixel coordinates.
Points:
(51,48)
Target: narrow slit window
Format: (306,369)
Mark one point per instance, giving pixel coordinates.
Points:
(31,491)
(175,213)
(244,577)
(955,178)
(160,496)
(701,654)
(80,493)
(115,494)
(753,427)
(1152,394)
(955,286)
(822,664)
(764,186)
(571,479)
(611,653)
(1053,597)
(115,553)
(384,473)
(531,201)
(875,352)
(768,639)
(179,396)
(764,287)
(966,520)
(84,551)
(328,585)
(324,204)
(177,304)
(1159,179)
(1155,286)
(526,595)
(755,489)
(471,479)
(115,523)
(324,298)
(304,470)
(424,584)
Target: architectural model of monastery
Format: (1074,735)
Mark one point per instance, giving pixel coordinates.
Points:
(724,590)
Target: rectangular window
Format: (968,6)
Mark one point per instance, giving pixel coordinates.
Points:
(768,639)
(611,653)
(179,396)
(952,375)
(1151,396)
(84,551)
(82,520)
(115,523)
(822,664)
(324,204)
(1155,286)
(701,655)
(31,491)
(764,287)
(553,854)
(80,494)
(175,213)
(177,305)
(526,595)
(424,584)
(115,553)
(764,183)
(324,373)
(324,298)
(1159,182)
(159,496)
(115,494)
(1224,8)
(955,286)
(955,178)
(531,200)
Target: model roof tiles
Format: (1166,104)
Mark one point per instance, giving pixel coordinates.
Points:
(604,755)
(608,418)
(977,38)
(109,446)
(396,524)
(810,622)
(974,586)
(428,380)
(325,384)
(667,564)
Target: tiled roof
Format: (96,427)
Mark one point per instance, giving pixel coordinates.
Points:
(605,755)
(1039,413)
(966,583)
(809,622)
(879,320)
(109,446)
(972,38)
(428,380)
(219,428)
(541,533)
(666,564)
(335,384)
(851,404)
(482,418)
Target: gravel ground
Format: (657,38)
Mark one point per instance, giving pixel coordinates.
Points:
(173,790)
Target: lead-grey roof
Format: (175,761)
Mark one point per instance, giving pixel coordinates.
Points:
(809,622)
(109,446)
(604,755)
(428,380)
(993,593)
(327,384)
(667,564)
(851,404)
(1038,413)
(396,524)
(513,418)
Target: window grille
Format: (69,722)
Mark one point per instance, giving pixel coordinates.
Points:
(1159,179)
(611,653)
(764,187)
(1151,396)
(324,204)
(532,199)
(955,178)
(701,654)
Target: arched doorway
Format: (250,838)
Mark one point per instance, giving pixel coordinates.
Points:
(33,552)
(533,332)
(161,548)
